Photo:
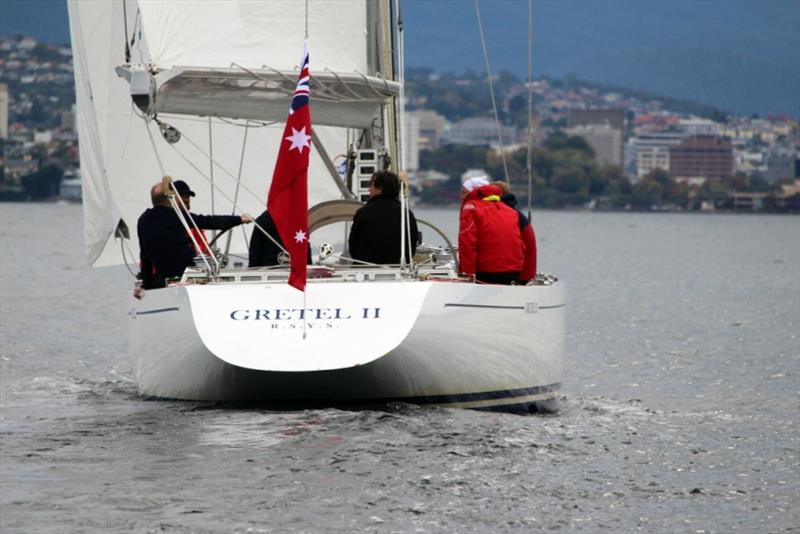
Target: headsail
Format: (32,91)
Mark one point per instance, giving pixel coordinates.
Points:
(203,51)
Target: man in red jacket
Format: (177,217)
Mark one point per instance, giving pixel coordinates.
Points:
(528,234)
(490,246)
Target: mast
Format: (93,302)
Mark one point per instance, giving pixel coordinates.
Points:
(530,106)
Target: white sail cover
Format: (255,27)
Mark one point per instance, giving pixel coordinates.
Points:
(121,160)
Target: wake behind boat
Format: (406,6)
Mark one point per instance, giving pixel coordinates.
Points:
(202,93)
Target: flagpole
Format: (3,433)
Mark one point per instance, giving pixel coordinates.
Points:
(305,307)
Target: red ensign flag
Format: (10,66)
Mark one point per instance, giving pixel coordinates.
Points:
(287,201)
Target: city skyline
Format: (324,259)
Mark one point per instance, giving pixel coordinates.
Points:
(741,56)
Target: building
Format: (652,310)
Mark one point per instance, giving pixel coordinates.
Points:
(614,118)
(652,151)
(71,188)
(746,200)
(697,126)
(478,131)
(424,131)
(780,165)
(605,126)
(748,161)
(701,158)
(604,140)
(68,120)
(420,180)
(3,111)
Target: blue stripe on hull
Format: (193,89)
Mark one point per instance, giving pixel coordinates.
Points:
(537,398)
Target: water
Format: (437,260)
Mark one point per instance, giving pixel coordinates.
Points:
(680,411)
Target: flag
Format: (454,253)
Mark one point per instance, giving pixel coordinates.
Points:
(287,200)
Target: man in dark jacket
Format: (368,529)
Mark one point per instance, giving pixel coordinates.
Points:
(375,234)
(264,249)
(165,248)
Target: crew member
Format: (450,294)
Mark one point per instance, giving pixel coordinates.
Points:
(265,248)
(375,234)
(490,247)
(165,247)
(526,230)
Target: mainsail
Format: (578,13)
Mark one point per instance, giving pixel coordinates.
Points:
(216,67)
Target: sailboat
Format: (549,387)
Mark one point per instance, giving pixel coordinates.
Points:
(199,90)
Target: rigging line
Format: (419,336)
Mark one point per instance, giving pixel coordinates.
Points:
(491,92)
(184,213)
(236,191)
(226,196)
(530,106)
(153,144)
(176,207)
(172,200)
(186,218)
(330,94)
(327,94)
(197,169)
(405,236)
(223,169)
(400,101)
(339,79)
(211,164)
(372,87)
(293,81)
(125,22)
(122,246)
(139,40)
(259,77)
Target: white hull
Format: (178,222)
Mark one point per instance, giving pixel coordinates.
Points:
(428,342)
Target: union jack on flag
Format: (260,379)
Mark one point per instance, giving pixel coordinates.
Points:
(301,92)
(287,200)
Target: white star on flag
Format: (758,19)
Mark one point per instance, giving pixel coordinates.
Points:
(299,236)
(299,139)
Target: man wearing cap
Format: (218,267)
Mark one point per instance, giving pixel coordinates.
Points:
(165,247)
(490,246)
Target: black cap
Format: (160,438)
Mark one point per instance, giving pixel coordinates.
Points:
(183,188)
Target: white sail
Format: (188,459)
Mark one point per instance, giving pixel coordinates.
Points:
(91,33)
(217,33)
(121,160)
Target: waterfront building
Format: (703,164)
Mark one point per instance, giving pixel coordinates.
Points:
(3,111)
(700,158)
(780,164)
(478,131)
(697,126)
(603,129)
(653,151)
(604,140)
(747,160)
(614,118)
(424,130)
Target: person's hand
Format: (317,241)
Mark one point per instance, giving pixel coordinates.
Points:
(247,218)
(138,293)
(469,277)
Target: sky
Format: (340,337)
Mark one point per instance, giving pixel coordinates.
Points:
(739,55)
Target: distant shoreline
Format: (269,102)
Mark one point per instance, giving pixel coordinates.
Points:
(455,207)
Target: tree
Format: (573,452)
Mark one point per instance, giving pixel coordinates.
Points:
(560,141)
(646,194)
